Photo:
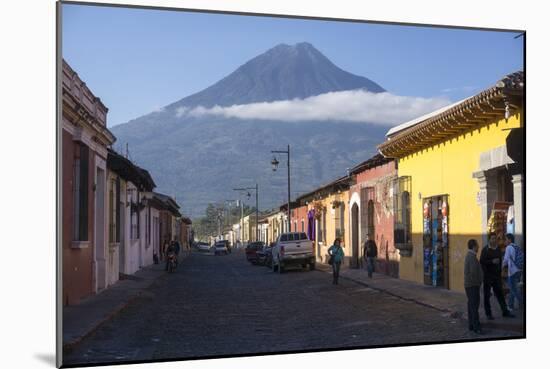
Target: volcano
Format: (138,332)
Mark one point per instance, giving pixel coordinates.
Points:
(200,159)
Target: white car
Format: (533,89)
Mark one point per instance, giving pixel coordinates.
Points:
(203,246)
(222,247)
(293,248)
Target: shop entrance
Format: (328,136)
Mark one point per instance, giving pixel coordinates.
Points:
(436,240)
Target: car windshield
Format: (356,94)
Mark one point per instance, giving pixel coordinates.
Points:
(293,236)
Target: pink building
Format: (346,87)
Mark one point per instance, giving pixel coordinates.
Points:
(84,142)
(372,214)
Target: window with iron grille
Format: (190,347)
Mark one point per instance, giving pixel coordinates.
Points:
(339,221)
(402,210)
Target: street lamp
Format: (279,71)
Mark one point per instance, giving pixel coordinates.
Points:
(275,164)
(247,189)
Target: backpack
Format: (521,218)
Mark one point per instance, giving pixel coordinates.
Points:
(519,259)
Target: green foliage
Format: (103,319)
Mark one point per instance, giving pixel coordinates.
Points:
(218,217)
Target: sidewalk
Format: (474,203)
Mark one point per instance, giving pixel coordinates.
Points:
(81,320)
(452,303)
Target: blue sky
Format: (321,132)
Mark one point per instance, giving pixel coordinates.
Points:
(139,60)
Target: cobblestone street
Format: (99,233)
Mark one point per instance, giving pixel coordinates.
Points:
(223,305)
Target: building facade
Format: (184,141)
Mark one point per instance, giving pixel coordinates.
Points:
(370,209)
(461,173)
(84,142)
(326,207)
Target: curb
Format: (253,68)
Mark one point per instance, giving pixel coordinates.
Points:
(70,345)
(454,314)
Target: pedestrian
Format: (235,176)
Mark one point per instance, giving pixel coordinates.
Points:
(164,249)
(371,252)
(169,250)
(177,248)
(336,254)
(513,259)
(491,261)
(473,276)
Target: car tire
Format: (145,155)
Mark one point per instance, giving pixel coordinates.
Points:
(311,266)
(281,268)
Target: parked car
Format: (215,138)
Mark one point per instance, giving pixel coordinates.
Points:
(264,255)
(293,248)
(222,247)
(203,246)
(251,251)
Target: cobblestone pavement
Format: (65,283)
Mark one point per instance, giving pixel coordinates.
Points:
(223,305)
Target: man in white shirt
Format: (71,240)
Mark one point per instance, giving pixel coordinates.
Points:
(514,271)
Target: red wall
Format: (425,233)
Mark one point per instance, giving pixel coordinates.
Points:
(299,214)
(77,263)
(387,254)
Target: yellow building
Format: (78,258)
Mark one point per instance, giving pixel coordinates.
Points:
(331,216)
(461,173)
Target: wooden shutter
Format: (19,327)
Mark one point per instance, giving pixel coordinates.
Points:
(118,218)
(83,196)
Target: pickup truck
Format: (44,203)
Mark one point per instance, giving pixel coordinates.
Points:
(293,248)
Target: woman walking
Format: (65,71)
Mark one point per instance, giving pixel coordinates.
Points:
(336,256)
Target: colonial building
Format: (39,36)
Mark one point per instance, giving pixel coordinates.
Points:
(328,207)
(461,174)
(84,142)
(169,213)
(371,212)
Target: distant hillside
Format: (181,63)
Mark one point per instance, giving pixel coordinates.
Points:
(200,160)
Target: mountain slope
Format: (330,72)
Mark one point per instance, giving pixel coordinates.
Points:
(200,160)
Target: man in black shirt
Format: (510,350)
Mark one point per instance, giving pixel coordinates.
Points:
(491,261)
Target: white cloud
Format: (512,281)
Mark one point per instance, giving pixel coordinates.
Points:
(352,106)
(180,112)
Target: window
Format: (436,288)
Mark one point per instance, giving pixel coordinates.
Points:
(112,212)
(370,219)
(303,229)
(402,210)
(321,229)
(80,192)
(339,221)
(134,216)
(367,194)
(148,226)
(117,210)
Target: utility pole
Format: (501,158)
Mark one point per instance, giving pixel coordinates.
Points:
(275,164)
(257,209)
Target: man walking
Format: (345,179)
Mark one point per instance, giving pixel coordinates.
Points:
(473,276)
(513,259)
(491,260)
(371,252)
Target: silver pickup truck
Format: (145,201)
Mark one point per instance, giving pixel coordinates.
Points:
(293,248)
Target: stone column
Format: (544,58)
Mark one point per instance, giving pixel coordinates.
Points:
(517,182)
(486,198)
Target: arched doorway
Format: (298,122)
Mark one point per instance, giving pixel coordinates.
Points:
(355,235)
